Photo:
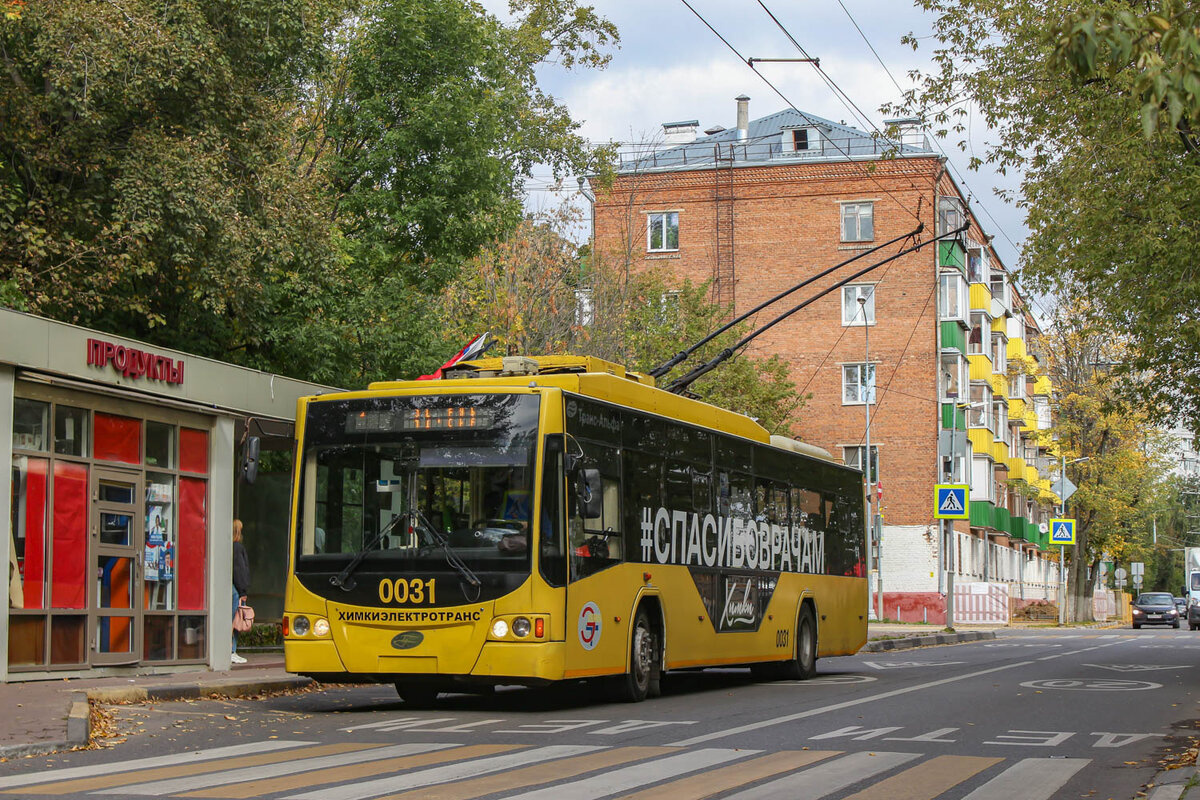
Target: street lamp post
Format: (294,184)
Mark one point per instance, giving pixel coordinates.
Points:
(1062,550)
(874,593)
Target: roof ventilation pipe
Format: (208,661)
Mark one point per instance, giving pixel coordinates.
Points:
(743,117)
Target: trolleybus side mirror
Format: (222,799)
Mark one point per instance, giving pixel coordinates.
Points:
(250,459)
(589,492)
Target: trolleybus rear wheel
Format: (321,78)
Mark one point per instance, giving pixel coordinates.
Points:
(803,663)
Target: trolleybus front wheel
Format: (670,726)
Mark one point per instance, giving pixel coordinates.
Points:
(417,695)
(643,677)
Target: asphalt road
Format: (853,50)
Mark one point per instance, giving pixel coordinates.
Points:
(1033,714)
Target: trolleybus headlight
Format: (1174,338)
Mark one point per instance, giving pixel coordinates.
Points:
(521,627)
(499,629)
(321,627)
(300,625)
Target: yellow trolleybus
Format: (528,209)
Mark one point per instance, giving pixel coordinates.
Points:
(527,521)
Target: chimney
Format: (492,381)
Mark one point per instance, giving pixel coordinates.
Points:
(908,131)
(743,117)
(680,132)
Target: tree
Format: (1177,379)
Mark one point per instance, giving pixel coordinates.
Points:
(539,293)
(1110,210)
(144,181)
(1112,452)
(423,129)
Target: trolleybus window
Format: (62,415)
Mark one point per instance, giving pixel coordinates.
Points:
(418,485)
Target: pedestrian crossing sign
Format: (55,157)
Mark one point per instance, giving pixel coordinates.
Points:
(1062,531)
(952,501)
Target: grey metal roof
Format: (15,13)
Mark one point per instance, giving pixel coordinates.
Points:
(764,142)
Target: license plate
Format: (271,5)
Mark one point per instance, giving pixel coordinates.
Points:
(1154,616)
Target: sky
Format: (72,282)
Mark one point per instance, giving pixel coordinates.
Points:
(671,67)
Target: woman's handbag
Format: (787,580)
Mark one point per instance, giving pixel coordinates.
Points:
(243,620)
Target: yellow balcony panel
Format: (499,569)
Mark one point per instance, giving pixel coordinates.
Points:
(1016,350)
(981,440)
(999,384)
(1016,408)
(1000,325)
(1000,452)
(981,366)
(981,297)
(1042,386)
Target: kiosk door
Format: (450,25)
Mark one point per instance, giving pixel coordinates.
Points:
(115,585)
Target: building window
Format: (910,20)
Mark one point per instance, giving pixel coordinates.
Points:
(1000,412)
(852,311)
(584,311)
(999,287)
(858,222)
(951,215)
(981,328)
(852,456)
(954,296)
(999,353)
(954,376)
(858,384)
(662,231)
(976,265)
(981,406)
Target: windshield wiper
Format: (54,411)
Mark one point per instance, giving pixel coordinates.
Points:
(343,580)
(451,557)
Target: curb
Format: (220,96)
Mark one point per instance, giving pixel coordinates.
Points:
(1172,784)
(909,642)
(79,724)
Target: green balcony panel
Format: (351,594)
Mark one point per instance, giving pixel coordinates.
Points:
(982,514)
(1003,519)
(1017,527)
(951,420)
(952,254)
(954,336)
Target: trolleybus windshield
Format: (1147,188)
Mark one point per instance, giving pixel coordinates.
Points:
(439,488)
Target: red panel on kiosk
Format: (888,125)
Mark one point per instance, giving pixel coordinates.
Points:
(190,556)
(68,587)
(117,439)
(33,566)
(193,450)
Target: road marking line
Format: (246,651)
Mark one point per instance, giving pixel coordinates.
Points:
(295,762)
(531,776)
(348,772)
(148,763)
(446,774)
(928,779)
(1030,779)
(827,778)
(717,781)
(208,766)
(638,775)
(767,723)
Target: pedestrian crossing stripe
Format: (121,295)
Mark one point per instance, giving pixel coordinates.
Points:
(951,501)
(454,771)
(1062,531)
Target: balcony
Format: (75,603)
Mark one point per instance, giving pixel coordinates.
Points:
(951,253)
(981,297)
(981,366)
(953,336)
(999,384)
(953,418)
(1016,350)
(981,440)
(983,514)
(1042,386)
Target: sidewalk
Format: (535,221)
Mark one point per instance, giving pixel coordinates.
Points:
(47,716)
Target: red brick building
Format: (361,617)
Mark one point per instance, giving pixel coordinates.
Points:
(760,207)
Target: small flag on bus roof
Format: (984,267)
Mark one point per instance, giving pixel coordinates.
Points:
(473,348)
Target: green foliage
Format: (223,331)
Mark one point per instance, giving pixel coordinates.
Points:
(1111,211)
(144,184)
(278,183)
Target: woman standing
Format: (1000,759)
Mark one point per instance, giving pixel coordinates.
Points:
(241,581)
